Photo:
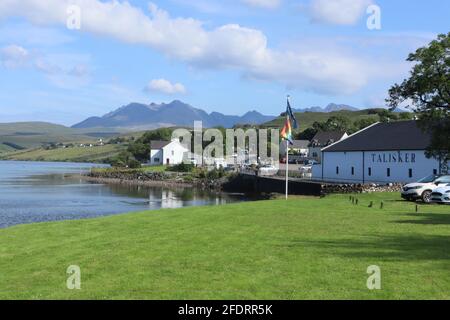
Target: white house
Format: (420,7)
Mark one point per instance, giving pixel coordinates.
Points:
(381,153)
(323,139)
(167,152)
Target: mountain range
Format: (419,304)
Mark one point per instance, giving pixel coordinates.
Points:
(176,113)
(332,107)
(138,116)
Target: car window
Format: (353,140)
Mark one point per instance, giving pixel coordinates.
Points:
(428,179)
(444,179)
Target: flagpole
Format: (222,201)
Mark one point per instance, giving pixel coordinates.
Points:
(287,169)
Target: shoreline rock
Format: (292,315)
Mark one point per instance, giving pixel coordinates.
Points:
(159,179)
(133,182)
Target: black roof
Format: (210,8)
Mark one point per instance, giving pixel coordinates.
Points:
(401,135)
(325,138)
(300,144)
(155,145)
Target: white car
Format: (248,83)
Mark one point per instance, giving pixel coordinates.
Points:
(441,194)
(423,188)
(268,170)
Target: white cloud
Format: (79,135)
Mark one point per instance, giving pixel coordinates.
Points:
(339,12)
(268,4)
(13,56)
(229,46)
(62,70)
(166,87)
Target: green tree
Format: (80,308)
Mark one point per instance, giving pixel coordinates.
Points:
(387,115)
(141,151)
(334,123)
(405,116)
(307,134)
(363,123)
(140,148)
(428,92)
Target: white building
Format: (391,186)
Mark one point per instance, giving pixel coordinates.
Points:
(167,152)
(299,147)
(381,153)
(323,139)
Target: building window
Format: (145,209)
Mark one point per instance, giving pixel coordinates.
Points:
(388,172)
(353,171)
(435,171)
(173,152)
(410,173)
(337,170)
(370,172)
(156,159)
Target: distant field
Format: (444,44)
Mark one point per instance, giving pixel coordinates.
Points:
(34,134)
(4,148)
(307,119)
(77,154)
(304,248)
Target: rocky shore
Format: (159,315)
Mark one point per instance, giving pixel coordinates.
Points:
(158,179)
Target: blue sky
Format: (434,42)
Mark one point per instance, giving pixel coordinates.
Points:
(229,56)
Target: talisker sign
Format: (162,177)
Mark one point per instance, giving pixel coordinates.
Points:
(397,157)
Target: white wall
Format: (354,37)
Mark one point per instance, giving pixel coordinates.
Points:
(379,162)
(174,152)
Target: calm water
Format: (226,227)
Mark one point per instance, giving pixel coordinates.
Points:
(36,192)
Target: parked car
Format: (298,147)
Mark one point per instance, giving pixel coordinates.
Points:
(305,169)
(441,194)
(423,188)
(268,170)
(293,161)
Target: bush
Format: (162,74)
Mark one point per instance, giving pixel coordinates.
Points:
(133,164)
(182,167)
(216,173)
(125,159)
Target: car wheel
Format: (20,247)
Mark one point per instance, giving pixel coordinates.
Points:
(426,196)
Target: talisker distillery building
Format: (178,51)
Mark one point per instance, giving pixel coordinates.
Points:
(381,153)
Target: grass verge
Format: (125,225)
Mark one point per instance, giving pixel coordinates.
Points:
(304,248)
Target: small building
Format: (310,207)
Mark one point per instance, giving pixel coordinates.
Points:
(299,147)
(167,152)
(323,139)
(381,153)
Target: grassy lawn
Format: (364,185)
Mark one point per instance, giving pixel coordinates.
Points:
(304,248)
(154,168)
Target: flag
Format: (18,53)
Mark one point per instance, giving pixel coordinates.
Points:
(291,114)
(286,133)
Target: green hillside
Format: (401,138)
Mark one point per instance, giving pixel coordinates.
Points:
(4,148)
(307,119)
(26,135)
(76,154)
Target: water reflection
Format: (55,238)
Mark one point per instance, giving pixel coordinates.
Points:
(38,192)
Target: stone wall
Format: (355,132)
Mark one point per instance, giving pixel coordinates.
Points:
(360,188)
